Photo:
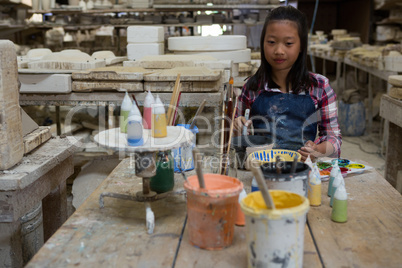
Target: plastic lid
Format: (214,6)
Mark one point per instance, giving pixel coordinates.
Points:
(158,107)
(149,100)
(127,103)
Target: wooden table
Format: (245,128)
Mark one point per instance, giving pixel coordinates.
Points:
(115,236)
(38,182)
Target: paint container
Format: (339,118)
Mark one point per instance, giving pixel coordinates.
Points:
(240,144)
(287,181)
(337,182)
(240,217)
(212,211)
(275,238)
(163,181)
(159,125)
(340,205)
(134,127)
(124,112)
(314,189)
(334,173)
(183,156)
(147,118)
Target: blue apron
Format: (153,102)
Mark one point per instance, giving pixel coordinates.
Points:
(288,119)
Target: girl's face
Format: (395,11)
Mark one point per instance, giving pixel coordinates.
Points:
(281,45)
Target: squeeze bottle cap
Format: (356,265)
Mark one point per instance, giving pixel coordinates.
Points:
(315,178)
(338,180)
(149,100)
(309,162)
(127,103)
(158,106)
(135,113)
(340,192)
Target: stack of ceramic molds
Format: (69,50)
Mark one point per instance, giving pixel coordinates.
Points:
(192,79)
(392,57)
(11,137)
(173,61)
(396,89)
(321,49)
(32,55)
(52,72)
(224,47)
(139,3)
(367,55)
(113,78)
(144,40)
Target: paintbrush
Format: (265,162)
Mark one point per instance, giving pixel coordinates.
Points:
(223,123)
(278,165)
(294,164)
(237,93)
(199,111)
(198,167)
(256,169)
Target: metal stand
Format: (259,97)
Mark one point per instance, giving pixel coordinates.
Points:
(145,162)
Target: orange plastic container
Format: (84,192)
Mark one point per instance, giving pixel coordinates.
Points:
(212,211)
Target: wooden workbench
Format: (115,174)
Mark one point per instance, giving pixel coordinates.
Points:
(115,236)
(391,110)
(40,178)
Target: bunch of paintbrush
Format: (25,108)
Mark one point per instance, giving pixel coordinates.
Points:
(174,102)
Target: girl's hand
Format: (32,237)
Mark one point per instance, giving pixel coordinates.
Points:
(238,124)
(309,149)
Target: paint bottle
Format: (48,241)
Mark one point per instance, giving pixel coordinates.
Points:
(337,182)
(124,111)
(163,181)
(340,206)
(159,127)
(314,189)
(254,185)
(334,172)
(134,127)
(148,103)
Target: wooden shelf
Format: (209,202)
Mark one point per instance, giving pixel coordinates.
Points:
(156,8)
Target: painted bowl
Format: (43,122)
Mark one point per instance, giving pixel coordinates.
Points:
(268,156)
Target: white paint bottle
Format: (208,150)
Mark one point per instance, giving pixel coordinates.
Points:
(134,127)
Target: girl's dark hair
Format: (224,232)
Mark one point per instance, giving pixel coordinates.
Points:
(298,75)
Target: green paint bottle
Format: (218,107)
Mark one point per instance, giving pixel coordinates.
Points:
(125,109)
(163,181)
(340,205)
(334,173)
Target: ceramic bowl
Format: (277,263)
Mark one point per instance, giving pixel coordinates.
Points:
(267,156)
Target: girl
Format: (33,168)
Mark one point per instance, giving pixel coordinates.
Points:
(286,101)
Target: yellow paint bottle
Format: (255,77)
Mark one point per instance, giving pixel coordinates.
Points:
(159,126)
(314,189)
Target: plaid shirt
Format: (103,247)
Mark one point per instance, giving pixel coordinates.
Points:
(325,101)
